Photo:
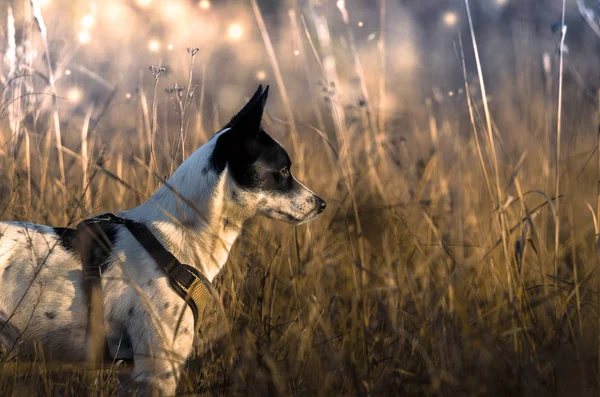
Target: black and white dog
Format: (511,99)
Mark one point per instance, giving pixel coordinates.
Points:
(241,172)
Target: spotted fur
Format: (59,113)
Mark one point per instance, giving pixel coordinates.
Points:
(241,172)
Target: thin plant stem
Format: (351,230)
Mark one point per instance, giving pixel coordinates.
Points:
(558,138)
(597,232)
(492,145)
(279,79)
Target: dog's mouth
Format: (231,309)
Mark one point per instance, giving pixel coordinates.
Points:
(285,217)
(289,218)
(294,220)
(295,213)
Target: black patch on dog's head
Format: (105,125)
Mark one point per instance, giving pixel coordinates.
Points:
(253,158)
(237,147)
(50,315)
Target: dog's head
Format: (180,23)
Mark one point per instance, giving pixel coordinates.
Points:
(259,168)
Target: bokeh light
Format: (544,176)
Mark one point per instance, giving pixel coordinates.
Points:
(84,37)
(88,21)
(235,31)
(74,95)
(172,9)
(204,4)
(154,45)
(112,11)
(261,75)
(144,3)
(450,18)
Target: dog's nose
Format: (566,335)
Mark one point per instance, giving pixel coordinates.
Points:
(321,204)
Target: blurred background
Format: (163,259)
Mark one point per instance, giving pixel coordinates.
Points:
(97,47)
(457,255)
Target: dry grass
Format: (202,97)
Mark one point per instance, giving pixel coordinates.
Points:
(434,270)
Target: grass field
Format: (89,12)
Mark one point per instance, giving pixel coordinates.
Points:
(457,254)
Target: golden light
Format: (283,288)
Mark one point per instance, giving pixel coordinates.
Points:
(235,32)
(74,95)
(296,52)
(43,3)
(84,37)
(113,11)
(170,47)
(68,72)
(204,4)
(173,9)
(144,3)
(154,45)
(501,3)
(128,95)
(261,75)
(360,24)
(87,21)
(450,18)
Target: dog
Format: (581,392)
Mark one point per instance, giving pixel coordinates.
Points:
(197,215)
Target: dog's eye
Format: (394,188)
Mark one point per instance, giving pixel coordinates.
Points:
(285,171)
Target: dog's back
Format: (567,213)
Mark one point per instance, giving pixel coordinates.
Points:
(42,298)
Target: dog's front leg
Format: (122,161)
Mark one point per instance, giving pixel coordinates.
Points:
(159,358)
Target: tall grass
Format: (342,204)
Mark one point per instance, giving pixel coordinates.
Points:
(439,267)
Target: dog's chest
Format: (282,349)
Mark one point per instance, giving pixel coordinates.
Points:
(220,251)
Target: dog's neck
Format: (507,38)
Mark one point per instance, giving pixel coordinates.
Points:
(203,234)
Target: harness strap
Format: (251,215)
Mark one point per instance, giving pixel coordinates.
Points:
(90,235)
(190,284)
(187,281)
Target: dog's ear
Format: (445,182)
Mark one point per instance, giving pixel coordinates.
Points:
(248,119)
(239,146)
